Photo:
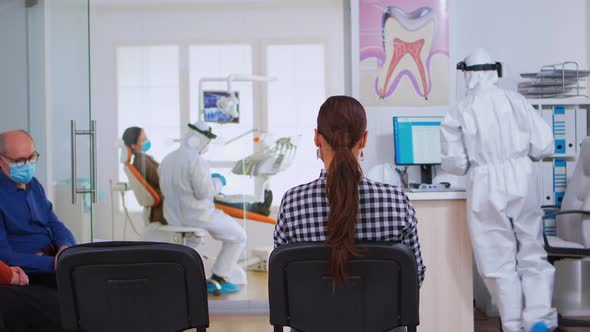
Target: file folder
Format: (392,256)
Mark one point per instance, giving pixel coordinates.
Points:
(563,124)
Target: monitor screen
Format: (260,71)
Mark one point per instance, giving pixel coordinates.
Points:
(220,106)
(417,140)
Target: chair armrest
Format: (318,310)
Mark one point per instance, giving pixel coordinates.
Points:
(566,212)
(550,207)
(570,252)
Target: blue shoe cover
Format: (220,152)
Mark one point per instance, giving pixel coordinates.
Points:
(215,288)
(539,327)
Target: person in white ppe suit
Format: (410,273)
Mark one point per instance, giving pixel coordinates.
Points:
(492,136)
(189,188)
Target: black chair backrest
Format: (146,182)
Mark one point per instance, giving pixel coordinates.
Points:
(382,294)
(132,286)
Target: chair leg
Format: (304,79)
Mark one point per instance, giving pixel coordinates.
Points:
(278,328)
(201,329)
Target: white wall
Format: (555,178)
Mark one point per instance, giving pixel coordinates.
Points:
(275,21)
(36,71)
(13,66)
(523,35)
(22,74)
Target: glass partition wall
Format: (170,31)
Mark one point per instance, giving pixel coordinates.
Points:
(76,74)
(45,89)
(161,65)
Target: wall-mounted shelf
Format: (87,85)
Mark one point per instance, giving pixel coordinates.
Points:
(560,101)
(563,156)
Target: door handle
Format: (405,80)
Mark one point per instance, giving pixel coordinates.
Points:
(93,169)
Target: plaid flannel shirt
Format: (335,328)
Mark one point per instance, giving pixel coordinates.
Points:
(385,215)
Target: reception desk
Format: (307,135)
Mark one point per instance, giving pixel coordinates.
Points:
(446,297)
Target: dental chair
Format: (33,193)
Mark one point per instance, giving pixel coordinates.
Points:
(147,197)
(571,242)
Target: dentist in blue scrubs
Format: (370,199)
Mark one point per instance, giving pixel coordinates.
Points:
(31,235)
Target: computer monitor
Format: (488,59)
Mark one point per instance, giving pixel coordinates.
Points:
(417,142)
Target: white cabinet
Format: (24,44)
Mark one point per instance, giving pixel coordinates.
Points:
(569,119)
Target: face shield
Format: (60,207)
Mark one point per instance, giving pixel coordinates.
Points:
(208,133)
(469,76)
(462,66)
(202,138)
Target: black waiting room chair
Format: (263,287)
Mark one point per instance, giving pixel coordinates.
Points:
(382,293)
(132,286)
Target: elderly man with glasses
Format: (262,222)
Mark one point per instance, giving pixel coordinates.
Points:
(31,235)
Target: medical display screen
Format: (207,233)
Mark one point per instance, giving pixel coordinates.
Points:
(417,140)
(220,107)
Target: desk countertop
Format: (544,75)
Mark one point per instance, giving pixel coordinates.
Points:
(436,196)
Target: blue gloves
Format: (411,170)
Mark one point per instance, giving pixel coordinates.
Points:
(220,177)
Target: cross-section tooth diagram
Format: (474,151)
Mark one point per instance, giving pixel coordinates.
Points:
(403,53)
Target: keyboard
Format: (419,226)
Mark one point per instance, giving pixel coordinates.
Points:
(436,187)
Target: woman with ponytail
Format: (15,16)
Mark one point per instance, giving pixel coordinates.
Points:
(341,206)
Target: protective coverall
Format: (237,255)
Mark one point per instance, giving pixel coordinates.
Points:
(492,136)
(186,182)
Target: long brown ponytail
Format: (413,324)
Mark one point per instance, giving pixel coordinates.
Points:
(342,122)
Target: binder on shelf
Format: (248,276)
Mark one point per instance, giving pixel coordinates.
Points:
(548,195)
(550,223)
(563,124)
(554,177)
(581,126)
(559,180)
(569,122)
(538,174)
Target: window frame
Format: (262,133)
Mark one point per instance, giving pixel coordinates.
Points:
(259,49)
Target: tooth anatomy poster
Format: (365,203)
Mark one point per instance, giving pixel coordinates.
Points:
(404,53)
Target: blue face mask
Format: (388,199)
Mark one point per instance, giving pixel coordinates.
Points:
(146,146)
(22,174)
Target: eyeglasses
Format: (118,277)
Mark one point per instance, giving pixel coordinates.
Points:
(23,161)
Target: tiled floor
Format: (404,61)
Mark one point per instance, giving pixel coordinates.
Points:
(485,324)
(260,323)
(257,289)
